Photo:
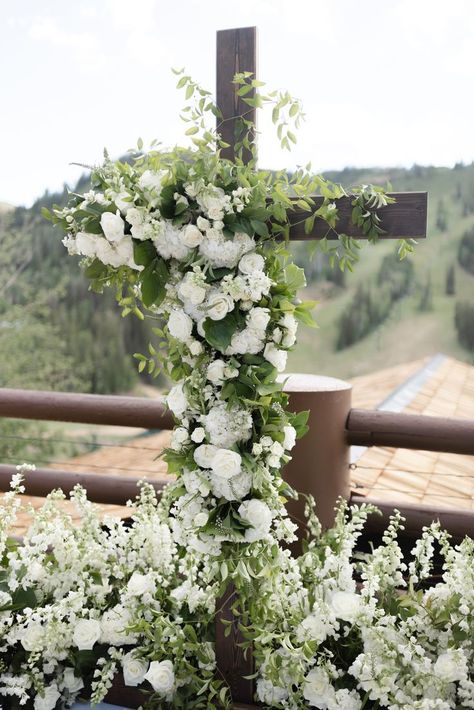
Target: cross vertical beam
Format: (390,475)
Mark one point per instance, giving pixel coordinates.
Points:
(236,52)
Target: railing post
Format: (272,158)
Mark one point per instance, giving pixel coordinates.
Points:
(320,460)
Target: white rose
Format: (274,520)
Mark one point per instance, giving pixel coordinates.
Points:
(346,605)
(113,226)
(48,698)
(258,318)
(198,435)
(134,670)
(215,371)
(449,667)
(259,516)
(176,400)
(180,325)
(124,202)
(226,463)
(219,305)
(139,584)
(317,689)
(151,180)
(196,348)
(189,291)
(192,236)
(273,461)
(86,244)
(134,216)
(86,633)
(71,681)
(275,357)
(251,262)
(31,636)
(161,676)
(203,224)
(290,437)
(204,455)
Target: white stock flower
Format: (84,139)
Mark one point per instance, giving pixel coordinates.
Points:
(346,605)
(113,226)
(86,244)
(179,438)
(177,401)
(151,180)
(113,626)
(71,681)
(86,633)
(275,356)
(227,426)
(140,584)
(259,516)
(180,325)
(218,305)
(317,689)
(192,236)
(47,699)
(251,262)
(290,437)
(226,463)
(161,677)
(134,669)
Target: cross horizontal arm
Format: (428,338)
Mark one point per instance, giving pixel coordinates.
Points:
(406,218)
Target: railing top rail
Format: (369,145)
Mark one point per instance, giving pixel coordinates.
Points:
(410,431)
(113,410)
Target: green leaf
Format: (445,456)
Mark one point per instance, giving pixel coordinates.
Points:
(152,287)
(259,227)
(294,277)
(143,252)
(95,270)
(219,332)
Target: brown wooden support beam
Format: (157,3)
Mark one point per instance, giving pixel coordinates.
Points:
(113,410)
(236,52)
(410,431)
(101,488)
(406,218)
(458,523)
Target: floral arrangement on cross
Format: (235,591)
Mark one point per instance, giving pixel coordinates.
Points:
(198,243)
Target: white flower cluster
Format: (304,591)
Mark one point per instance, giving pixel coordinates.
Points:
(401,651)
(85,588)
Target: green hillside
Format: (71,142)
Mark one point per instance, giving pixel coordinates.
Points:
(410,331)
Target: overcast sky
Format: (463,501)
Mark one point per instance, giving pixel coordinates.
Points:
(383,82)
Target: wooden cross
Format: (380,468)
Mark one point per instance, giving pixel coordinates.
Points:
(237,52)
(406,218)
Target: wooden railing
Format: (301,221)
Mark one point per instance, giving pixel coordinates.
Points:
(320,466)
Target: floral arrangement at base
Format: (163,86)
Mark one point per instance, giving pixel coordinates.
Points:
(198,243)
(80,604)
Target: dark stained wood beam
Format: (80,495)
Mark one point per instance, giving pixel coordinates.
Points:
(236,52)
(406,218)
(113,410)
(410,431)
